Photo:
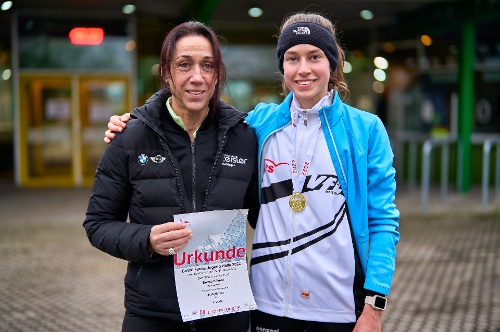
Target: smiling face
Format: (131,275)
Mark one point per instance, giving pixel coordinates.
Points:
(192,76)
(306,73)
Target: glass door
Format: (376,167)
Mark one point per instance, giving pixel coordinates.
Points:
(46,118)
(99,99)
(62,124)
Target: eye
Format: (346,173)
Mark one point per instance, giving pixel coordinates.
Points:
(185,65)
(208,66)
(291,59)
(315,57)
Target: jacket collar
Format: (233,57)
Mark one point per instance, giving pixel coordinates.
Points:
(284,116)
(332,113)
(150,113)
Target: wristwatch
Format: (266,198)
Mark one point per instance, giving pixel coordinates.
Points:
(378,302)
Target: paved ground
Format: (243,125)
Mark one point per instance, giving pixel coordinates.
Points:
(51,279)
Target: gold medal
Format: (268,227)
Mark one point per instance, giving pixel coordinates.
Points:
(297,202)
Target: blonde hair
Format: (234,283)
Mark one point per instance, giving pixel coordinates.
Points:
(336,81)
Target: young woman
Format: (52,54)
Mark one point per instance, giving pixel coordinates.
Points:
(170,161)
(324,248)
(327,229)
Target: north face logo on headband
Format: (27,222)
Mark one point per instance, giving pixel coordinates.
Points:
(302,31)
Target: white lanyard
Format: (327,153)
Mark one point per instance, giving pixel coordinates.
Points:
(300,167)
(309,136)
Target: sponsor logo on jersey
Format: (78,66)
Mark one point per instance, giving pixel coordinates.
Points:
(271,165)
(232,160)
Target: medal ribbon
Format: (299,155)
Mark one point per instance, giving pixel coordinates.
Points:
(310,136)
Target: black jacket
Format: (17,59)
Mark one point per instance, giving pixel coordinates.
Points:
(142,176)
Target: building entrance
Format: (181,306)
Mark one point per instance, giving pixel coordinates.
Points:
(62,121)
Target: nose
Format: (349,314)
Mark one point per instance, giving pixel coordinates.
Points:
(304,68)
(197,74)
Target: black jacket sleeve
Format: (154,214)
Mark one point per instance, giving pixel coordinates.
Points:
(106,219)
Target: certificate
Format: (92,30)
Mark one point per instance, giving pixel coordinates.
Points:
(211,274)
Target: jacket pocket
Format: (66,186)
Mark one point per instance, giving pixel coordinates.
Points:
(134,271)
(150,280)
(137,277)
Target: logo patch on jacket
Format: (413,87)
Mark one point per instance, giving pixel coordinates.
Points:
(143,159)
(232,160)
(158,159)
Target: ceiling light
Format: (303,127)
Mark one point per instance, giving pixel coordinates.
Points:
(130,46)
(426,40)
(379,75)
(255,12)
(378,87)
(6,5)
(128,9)
(381,62)
(389,47)
(366,14)
(7,73)
(347,67)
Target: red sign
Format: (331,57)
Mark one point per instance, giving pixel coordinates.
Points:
(86,36)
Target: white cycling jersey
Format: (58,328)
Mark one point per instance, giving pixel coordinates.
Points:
(303,263)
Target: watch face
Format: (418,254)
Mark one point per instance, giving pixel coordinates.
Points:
(380,302)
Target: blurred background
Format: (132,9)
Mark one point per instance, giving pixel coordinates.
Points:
(430,69)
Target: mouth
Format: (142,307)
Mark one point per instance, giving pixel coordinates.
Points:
(195,92)
(305,82)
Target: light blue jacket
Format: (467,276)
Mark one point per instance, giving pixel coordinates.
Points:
(362,156)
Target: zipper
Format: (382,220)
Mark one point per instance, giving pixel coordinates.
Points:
(292,230)
(177,175)
(137,276)
(289,266)
(217,156)
(193,177)
(299,157)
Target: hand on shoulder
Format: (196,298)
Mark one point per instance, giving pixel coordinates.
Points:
(116,124)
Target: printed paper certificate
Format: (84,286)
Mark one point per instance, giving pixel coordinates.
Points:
(211,273)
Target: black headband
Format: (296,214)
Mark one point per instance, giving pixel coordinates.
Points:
(308,33)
